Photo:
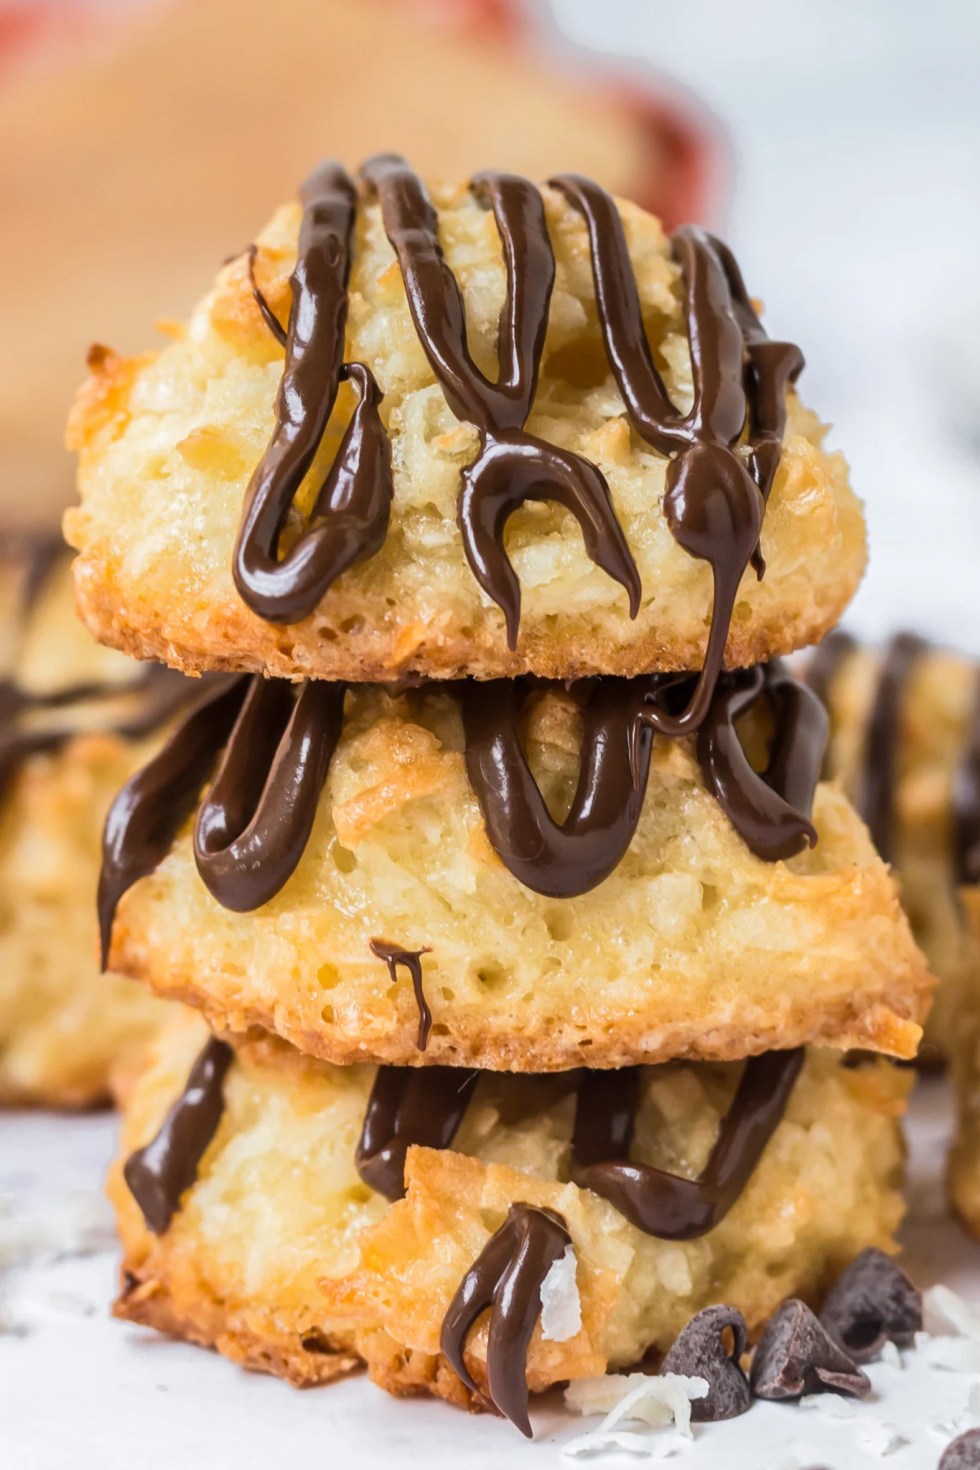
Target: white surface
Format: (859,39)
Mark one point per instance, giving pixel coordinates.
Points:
(855,213)
(81,1392)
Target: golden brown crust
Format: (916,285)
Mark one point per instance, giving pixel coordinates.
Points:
(167,444)
(963,1165)
(259,1344)
(934,720)
(693,947)
(285,1261)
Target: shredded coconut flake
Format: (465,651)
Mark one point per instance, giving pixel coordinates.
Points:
(878,1437)
(76,1225)
(561,1305)
(955,1354)
(656,1400)
(944,1313)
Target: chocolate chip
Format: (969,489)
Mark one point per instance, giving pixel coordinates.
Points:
(963,1453)
(700,1351)
(797,1355)
(873,1301)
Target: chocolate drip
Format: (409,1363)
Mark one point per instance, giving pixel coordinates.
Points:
(966,803)
(770,809)
(159,1173)
(147,700)
(393,956)
(663,1204)
(506,1276)
(512,466)
(258,295)
(876,782)
(825,664)
(148,813)
(409,1105)
(715,498)
(253,826)
(349,519)
(568,858)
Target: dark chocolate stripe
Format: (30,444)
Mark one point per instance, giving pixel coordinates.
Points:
(667,1205)
(770,810)
(150,809)
(568,858)
(409,1105)
(825,663)
(350,516)
(715,500)
(393,956)
(966,801)
(875,798)
(506,1276)
(159,1173)
(512,466)
(253,826)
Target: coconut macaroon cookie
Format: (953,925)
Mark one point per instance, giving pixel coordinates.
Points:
(491,430)
(905,746)
(305,1219)
(75,721)
(529,878)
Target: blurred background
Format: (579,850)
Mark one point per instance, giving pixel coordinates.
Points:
(837,146)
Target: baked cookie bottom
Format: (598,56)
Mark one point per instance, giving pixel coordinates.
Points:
(167,444)
(934,718)
(285,1260)
(963,1166)
(692,947)
(63,1025)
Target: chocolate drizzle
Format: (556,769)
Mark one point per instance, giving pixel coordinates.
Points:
(876,784)
(148,813)
(770,810)
(715,497)
(512,466)
(568,858)
(425,1106)
(272,747)
(35,723)
(667,1205)
(878,774)
(159,1173)
(409,1105)
(393,956)
(723,453)
(825,664)
(349,518)
(506,1276)
(253,826)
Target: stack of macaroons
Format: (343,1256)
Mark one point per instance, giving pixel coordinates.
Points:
(75,721)
(479,476)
